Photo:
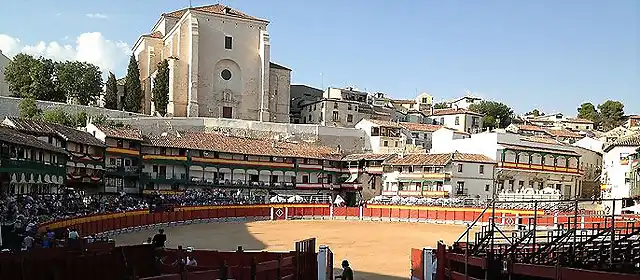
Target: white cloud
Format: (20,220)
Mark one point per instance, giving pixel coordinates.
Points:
(97,15)
(89,47)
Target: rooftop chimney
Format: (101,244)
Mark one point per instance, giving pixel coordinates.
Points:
(431,110)
(227,10)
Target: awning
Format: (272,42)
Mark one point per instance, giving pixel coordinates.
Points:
(352,178)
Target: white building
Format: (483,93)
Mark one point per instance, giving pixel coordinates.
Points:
(439,175)
(558,120)
(616,169)
(385,137)
(4,88)
(465,101)
(523,161)
(590,144)
(219,65)
(457,118)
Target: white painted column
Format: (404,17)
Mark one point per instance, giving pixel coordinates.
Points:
(271,212)
(503,218)
(517,221)
(331,212)
(361,216)
(555,220)
(582,222)
(322,263)
(286,213)
(428,263)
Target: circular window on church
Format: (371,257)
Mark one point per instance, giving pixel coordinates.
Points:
(225,74)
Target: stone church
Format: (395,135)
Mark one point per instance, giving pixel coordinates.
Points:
(219,61)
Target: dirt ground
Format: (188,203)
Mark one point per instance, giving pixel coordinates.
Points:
(376,250)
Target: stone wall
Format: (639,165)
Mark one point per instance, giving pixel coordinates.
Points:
(350,140)
(9,108)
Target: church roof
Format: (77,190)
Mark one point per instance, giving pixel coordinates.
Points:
(277,66)
(217,9)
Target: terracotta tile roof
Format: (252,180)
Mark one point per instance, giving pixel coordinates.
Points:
(46,128)
(439,159)
(277,66)
(217,9)
(357,157)
(420,126)
(563,133)
(635,117)
(544,140)
(385,123)
(453,111)
(539,149)
(403,101)
(121,132)
(228,144)
(10,135)
(624,141)
(527,127)
(579,120)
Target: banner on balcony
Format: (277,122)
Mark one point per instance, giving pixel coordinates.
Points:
(624,158)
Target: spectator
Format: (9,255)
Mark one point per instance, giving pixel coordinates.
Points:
(159,239)
(148,241)
(347,273)
(27,243)
(73,234)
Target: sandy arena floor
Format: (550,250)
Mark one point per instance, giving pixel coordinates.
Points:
(376,250)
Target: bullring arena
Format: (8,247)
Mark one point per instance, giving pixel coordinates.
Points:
(376,250)
(380,241)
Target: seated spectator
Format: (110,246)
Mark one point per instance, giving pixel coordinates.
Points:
(159,239)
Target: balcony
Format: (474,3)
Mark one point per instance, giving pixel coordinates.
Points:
(423,176)
(210,182)
(427,194)
(162,178)
(374,170)
(538,167)
(124,170)
(37,167)
(116,150)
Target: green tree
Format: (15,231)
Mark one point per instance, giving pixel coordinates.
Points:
(611,114)
(29,109)
(111,93)
(496,114)
(57,115)
(441,105)
(80,81)
(534,113)
(27,76)
(161,88)
(132,87)
(588,111)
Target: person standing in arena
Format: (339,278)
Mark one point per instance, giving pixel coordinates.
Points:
(159,239)
(347,273)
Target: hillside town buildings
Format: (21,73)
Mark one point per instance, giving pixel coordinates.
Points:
(4,88)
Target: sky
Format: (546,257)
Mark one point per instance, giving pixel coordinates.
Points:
(546,54)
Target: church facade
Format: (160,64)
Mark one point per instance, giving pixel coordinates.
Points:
(219,65)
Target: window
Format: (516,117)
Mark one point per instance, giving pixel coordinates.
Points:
(459,167)
(228,42)
(349,118)
(335,116)
(349,107)
(225,74)
(155,169)
(112,162)
(227,112)
(486,187)
(460,188)
(335,105)
(457,120)
(305,179)
(424,100)
(411,106)
(375,131)
(385,143)
(274,178)
(481,169)
(442,120)
(396,144)
(521,184)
